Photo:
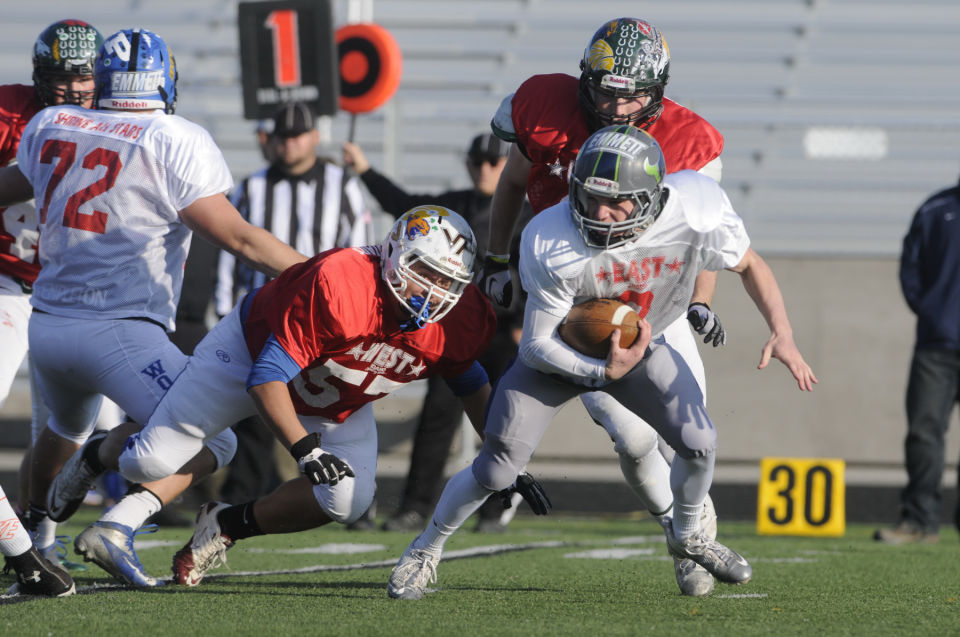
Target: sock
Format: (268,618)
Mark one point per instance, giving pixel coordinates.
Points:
(649,477)
(45,532)
(15,540)
(690,480)
(36,513)
(238,522)
(460,498)
(134,509)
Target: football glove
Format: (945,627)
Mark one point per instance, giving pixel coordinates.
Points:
(705,322)
(495,279)
(531,490)
(318,465)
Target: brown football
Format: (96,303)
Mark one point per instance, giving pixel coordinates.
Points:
(588,326)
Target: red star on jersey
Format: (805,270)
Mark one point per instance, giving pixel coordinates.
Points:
(675,266)
(602,275)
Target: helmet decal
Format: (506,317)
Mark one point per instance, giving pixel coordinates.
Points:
(601,56)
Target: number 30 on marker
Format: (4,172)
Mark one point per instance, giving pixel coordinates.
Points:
(801,496)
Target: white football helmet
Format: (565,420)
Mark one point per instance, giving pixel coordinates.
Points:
(439,239)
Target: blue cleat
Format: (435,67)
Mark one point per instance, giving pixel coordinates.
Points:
(109,545)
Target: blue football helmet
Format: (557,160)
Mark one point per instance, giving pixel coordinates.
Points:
(136,70)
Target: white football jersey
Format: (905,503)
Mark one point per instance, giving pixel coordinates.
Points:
(697,230)
(109,186)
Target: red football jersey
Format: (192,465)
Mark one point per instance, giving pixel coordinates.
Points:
(551,128)
(18,224)
(333,314)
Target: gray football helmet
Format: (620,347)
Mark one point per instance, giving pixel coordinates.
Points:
(617,163)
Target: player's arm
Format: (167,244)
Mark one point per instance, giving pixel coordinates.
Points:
(267,386)
(508,201)
(701,317)
(761,285)
(216,220)
(14,187)
(472,387)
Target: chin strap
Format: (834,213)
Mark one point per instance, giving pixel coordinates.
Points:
(418,320)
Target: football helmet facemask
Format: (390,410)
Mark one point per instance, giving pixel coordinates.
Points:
(136,70)
(627,58)
(617,163)
(440,240)
(65,49)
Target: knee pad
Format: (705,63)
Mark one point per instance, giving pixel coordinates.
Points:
(494,470)
(224,447)
(141,469)
(347,500)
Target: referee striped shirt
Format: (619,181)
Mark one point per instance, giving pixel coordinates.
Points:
(312,212)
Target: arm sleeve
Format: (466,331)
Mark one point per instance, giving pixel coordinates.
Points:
(391,197)
(469,381)
(542,349)
(273,363)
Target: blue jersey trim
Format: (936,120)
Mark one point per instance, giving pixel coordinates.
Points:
(469,381)
(273,363)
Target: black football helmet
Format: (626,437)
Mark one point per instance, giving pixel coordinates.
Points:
(626,57)
(65,48)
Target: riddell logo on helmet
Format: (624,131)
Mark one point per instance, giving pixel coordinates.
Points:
(115,103)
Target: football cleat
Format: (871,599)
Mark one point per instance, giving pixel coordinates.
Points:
(415,569)
(57,553)
(206,549)
(37,575)
(725,564)
(693,579)
(109,545)
(71,484)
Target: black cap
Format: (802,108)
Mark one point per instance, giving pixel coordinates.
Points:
(487,146)
(294,118)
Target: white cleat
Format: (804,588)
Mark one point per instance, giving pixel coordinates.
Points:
(693,579)
(207,548)
(724,563)
(416,569)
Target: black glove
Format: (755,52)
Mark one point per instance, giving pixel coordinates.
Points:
(704,321)
(495,279)
(318,465)
(531,490)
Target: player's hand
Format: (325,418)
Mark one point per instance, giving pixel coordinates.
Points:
(705,322)
(318,465)
(495,279)
(621,360)
(531,490)
(783,348)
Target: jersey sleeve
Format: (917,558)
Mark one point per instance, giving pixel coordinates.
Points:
(196,167)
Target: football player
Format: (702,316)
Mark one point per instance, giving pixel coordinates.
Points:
(119,191)
(63,57)
(623,72)
(310,351)
(622,214)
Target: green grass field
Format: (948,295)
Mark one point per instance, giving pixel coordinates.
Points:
(563,576)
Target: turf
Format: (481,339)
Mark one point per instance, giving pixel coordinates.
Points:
(564,576)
